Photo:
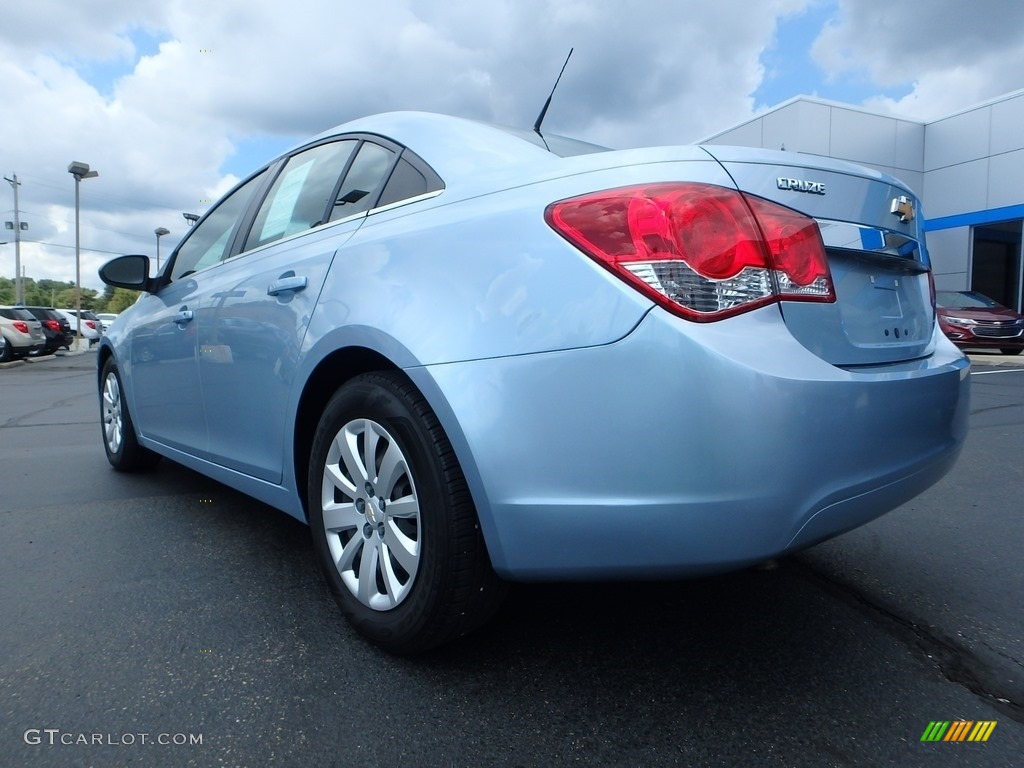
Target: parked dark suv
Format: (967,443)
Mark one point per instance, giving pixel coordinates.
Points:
(56,329)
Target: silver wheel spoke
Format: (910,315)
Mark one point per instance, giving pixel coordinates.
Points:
(341,517)
(370,440)
(346,440)
(349,552)
(392,468)
(368,575)
(405,550)
(334,478)
(407,507)
(393,586)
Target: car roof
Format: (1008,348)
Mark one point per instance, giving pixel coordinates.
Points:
(472,156)
(459,150)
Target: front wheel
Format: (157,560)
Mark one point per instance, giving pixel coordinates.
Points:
(394,528)
(1012,350)
(122,447)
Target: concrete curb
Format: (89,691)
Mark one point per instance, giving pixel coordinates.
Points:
(1016,361)
(44,358)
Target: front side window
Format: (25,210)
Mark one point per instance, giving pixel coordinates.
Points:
(363,180)
(210,241)
(300,195)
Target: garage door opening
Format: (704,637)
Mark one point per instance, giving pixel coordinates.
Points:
(996,262)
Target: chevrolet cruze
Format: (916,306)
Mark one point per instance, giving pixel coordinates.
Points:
(465,355)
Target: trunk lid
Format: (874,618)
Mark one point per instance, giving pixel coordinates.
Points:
(871,227)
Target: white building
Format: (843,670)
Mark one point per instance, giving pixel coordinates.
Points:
(967,168)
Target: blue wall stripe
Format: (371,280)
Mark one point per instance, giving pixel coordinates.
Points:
(975,218)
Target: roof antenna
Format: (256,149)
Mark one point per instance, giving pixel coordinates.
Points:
(544,111)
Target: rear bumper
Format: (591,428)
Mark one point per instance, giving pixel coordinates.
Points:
(21,349)
(685,448)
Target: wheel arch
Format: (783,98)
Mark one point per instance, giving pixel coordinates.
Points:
(346,363)
(103,354)
(330,373)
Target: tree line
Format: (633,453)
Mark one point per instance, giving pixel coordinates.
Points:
(60,294)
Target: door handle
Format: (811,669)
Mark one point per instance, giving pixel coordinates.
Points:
(184,316)
(287,283)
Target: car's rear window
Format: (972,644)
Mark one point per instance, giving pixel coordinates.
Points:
(16,313)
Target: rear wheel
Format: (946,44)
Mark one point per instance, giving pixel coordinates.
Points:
(122,447)
(393,524)
(1012,350)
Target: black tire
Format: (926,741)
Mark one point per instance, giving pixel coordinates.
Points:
(118,431)
(1012,350)
(408,580)
(6,353)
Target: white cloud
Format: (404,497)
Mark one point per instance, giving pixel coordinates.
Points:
(956,54)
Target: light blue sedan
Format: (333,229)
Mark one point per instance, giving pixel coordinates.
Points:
(466,354)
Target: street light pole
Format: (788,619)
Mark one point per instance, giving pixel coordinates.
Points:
(79,171)
(17,226)
(159,232)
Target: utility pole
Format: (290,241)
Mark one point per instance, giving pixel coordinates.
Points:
(17,226)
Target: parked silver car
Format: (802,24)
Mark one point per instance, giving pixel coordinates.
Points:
(22,332)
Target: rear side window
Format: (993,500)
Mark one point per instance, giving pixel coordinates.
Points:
(16,313)
(363,181)
(301,194)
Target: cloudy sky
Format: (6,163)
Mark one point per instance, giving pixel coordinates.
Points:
(172,101)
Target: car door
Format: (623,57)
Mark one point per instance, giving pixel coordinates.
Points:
(164,343)
(257,305)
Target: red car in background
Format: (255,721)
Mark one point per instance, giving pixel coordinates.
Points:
(970,319)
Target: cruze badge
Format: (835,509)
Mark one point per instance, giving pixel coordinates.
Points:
(801,185)
(902,207)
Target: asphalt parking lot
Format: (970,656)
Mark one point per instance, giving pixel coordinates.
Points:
(168,621)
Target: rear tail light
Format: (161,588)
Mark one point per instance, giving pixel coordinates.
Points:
(91,324)
(20,325)
(702,251)
(53,325)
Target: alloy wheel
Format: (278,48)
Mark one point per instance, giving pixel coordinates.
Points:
(113,424)
(371,514)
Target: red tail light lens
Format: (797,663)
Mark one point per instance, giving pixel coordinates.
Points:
(20,325)
(702,251)
(91,324)
(53,325)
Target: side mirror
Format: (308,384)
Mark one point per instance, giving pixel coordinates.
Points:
(127,272)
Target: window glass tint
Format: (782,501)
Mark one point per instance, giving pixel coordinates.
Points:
(364,178)
(405,182)
(964,300)
(210,239)
(16,313)
(300,195)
